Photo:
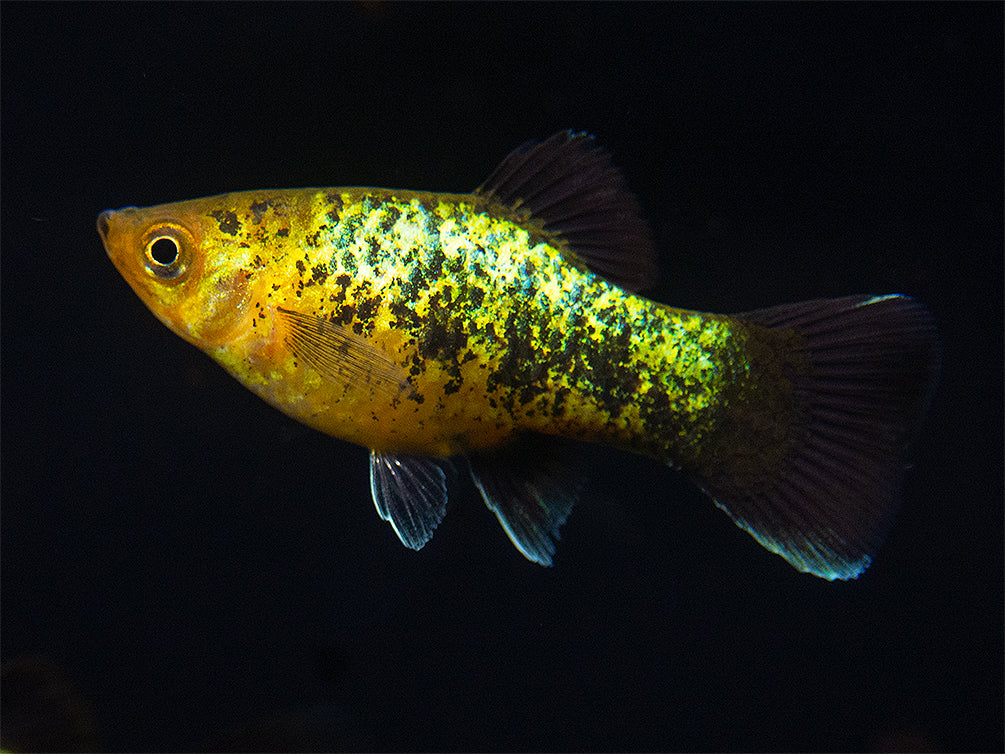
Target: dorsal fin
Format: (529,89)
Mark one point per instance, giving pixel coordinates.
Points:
(569,184)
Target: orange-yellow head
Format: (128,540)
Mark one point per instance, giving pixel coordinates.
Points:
(176,259)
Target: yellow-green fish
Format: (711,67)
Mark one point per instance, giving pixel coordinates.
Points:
(498,325)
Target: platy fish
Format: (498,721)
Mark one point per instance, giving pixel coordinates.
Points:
(503,325)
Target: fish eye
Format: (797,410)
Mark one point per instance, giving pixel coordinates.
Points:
(163,250)
(168,251)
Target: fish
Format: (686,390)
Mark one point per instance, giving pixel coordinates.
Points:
(498,330)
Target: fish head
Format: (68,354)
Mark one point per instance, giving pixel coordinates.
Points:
(193,277)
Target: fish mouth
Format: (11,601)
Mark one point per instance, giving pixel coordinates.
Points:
(115,230)
(114,238)
(109,228)
(111,222)
(103,219)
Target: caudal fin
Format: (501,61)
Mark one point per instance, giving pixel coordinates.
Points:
(860,374)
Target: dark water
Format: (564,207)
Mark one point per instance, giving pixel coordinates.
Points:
(207,573)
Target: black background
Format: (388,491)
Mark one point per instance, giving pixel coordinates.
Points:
(198,563)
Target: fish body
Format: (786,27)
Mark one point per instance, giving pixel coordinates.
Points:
(496,325)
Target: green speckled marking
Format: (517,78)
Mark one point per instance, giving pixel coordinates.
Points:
(556,350)
(437,324)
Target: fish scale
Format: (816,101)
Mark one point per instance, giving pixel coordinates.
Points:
(499,325)
(498,345)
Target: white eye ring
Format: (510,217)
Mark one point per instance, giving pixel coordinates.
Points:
(168,252)
(158,253)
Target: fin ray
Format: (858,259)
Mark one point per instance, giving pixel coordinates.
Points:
(410,492)
(531,486)
(571,186)
(867,369)
(339,354)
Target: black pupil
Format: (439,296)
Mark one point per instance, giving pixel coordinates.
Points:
(164,251)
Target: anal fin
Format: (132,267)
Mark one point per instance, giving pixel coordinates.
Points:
(531,485)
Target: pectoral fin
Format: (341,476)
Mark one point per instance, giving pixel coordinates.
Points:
(339,354)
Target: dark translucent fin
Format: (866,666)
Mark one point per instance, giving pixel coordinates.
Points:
(862,376)
(339,354)
(570,185)
(531,486)
(411,493)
